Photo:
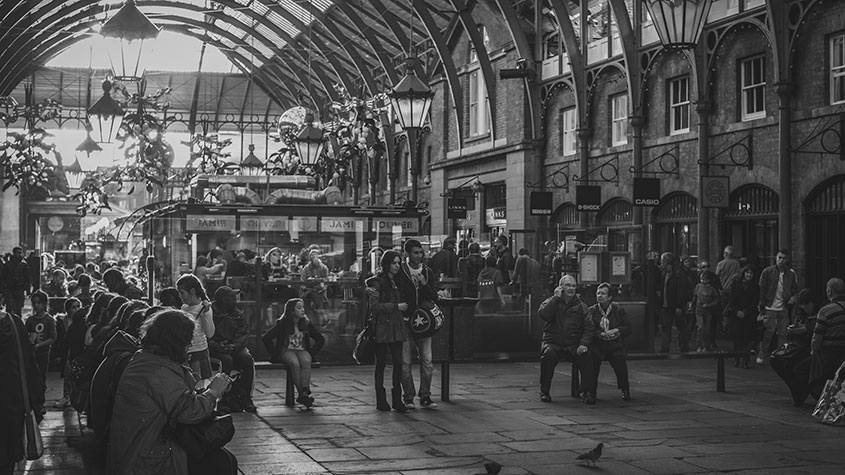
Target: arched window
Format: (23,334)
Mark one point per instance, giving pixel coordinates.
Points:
(566,215)
(615,212)
(617,215)
(825,233)
(751,224)
(676,224)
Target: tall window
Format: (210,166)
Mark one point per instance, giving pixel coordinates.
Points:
(679,105)
(619,125)
(479,122)
(567,131)
(837,69)
(753,77)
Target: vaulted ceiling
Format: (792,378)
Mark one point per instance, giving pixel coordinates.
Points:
(294,50)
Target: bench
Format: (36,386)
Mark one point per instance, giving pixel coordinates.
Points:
(290,399)
(719,356)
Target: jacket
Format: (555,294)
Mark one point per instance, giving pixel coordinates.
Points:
(384,299)
(769,285)
(152,388)
(230,328)
(410,294)
(16,273)
(11,397)
(118,351)
(618,318)
(277,339)
(567,325)
(677,289)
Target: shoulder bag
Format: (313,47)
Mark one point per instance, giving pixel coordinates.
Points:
(202,438)
(365,344)
(32,443)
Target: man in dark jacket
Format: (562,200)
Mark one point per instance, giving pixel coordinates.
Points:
(504,258)
(469,267)
(672,300)
(778,286)
(445,262)
(116,283)
(229,346)
(416,283)
(567,335)
(16,274)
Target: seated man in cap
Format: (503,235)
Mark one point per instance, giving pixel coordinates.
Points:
(229,346)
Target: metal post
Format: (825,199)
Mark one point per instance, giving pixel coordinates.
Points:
(413,166)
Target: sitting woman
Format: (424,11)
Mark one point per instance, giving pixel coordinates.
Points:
(611,327)
(290,342)
(156,386)
(228,344)
(274,265)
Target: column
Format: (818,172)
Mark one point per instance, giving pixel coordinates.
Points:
(703,110)
(784,92)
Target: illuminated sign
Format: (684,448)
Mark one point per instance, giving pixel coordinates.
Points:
(209,223)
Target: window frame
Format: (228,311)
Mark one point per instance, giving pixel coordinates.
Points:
(746,90)
(618,124)
(837,72)
(568,135)
(679,111)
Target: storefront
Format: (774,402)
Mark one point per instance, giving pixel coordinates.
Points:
(751,224)
(675,224)
(825,233)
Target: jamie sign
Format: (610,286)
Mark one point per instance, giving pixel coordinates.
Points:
(209,223)
(646,191)
(337,225)
(541,203)
(588,197)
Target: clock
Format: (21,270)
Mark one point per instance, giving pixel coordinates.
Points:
(55,224)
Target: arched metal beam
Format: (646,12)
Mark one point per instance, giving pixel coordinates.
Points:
(392,23)
(483,60)
(576,59)
(445,54)
(375,44)
(523,49)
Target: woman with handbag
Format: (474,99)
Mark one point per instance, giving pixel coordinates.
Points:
(388,328)
(741,313)
(12,401)
(156,387)
(294,340)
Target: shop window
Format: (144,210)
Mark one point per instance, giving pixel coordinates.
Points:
(679,105)
(825,232)
(616,212)
(753,88)
(619,120)
(837,69)
(567,131)
(675,225)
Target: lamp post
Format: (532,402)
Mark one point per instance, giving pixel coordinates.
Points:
(129,34)
(309,142)
(105,115)
(679,23)
(411,99)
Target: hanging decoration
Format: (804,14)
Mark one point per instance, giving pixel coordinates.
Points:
(208,155)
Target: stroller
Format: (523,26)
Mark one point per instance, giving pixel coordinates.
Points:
(792,360)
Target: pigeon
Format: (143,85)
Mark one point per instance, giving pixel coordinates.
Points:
(592,456)
(493,468)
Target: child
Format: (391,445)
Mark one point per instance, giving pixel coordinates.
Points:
(706,303)
(63,322)
(41,328)
(195,302)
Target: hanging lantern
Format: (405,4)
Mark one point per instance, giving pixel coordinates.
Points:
(679,23)
(252,165)
(87,147)
(309,142)
(74,173)
(129,38)
(411,98)
(105,116)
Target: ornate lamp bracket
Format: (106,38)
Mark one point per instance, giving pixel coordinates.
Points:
(740,154)
(668,162)
(827,135)
(559,178)
(608,171)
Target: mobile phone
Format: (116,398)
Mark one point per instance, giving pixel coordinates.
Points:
(236,376)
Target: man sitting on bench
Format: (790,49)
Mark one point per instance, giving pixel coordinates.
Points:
(567,335)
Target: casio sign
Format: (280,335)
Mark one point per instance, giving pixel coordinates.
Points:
(646,202)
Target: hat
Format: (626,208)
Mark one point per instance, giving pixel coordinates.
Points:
(225,291)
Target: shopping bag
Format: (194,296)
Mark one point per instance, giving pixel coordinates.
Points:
(830,408)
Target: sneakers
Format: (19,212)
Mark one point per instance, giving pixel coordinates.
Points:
(410,404)
(589,398)
(62,403)
(701,349)
(427,403)
(545,397)
(759,360)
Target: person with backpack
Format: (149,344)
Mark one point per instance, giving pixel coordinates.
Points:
(117,353)
(229,346)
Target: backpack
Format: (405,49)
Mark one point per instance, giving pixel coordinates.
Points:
(104,386)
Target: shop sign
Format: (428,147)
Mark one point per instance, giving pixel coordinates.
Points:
(715,191)
(340,225)
(497,217)
(456,208)
(646,191)
(541,203)
(304,225)
(386,225)
(588,197)
(195,222)
(256,223)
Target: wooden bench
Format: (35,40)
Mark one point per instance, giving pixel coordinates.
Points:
(719,356)
(290,399)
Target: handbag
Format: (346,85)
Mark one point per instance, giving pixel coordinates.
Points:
(830,408)
(201,438)
(365,346)
(427,319)
(32,443)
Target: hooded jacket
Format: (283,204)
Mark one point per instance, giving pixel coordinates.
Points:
(230,328)
(118,351)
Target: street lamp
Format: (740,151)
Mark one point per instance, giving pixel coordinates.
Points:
(252,165)
(129,34)
(309,142)
(105,115)
(679,23)
(74,173)
(411,99)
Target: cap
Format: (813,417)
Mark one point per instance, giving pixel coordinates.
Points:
(225,291)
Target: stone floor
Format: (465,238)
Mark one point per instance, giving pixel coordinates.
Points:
(676,423)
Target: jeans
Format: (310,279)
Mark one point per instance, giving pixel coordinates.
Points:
(550,355)
(668,316)
(619,362)
(299,362)
(200,362)
(704,322)
(423,346)
(774,327)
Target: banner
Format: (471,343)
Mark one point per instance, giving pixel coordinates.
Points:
(588,197)
(646,192)
(541,203)
(456,208)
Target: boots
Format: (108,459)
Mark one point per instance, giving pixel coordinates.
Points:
(381,400)
(398,405)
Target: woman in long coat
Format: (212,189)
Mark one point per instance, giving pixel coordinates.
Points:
(743,296)
(611,326)
(390,330)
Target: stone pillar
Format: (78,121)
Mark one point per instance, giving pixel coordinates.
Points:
(784,92)
(438,202)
